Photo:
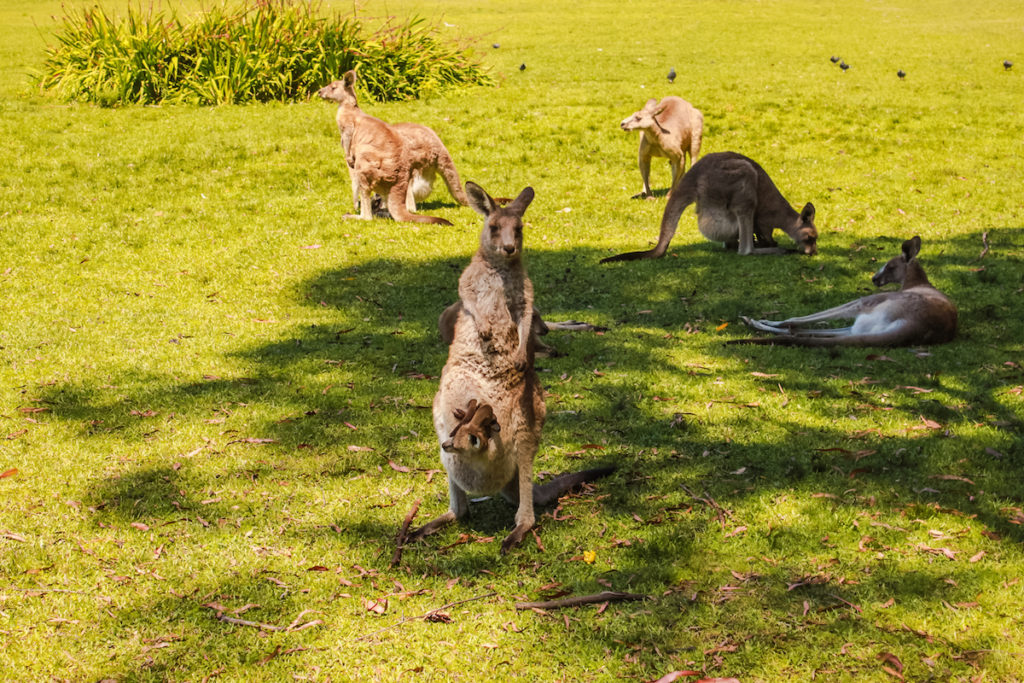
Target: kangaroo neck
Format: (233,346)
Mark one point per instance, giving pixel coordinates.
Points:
(915,276)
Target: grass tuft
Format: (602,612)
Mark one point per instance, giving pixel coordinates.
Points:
(256,51)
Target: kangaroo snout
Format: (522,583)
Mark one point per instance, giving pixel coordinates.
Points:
(447,446)
(510,249)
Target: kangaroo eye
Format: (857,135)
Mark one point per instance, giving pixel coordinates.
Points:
(474,441)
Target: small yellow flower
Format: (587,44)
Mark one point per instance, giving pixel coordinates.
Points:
(589,556)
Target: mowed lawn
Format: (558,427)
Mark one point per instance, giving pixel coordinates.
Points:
(215,389)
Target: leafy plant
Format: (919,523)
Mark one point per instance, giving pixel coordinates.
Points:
(257,51)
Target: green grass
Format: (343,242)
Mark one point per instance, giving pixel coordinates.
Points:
(178,284)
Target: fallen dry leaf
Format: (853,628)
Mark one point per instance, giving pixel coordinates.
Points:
(8,473)
(396,467)
(379,606)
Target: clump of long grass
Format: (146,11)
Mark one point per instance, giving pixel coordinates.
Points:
(256,51)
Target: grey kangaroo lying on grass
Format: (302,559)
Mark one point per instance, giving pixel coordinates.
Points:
(737,204)
(672,129)
(490,366)
(915,314)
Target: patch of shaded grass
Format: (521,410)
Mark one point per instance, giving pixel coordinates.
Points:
(206,338)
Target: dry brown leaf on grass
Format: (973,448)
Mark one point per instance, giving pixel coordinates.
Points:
(8,473)
(378,606)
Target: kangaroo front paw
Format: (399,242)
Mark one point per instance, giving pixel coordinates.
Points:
(515,538)
(521,361)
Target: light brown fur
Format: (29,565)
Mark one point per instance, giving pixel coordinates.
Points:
(916,314)
(672,129)
(377,156)
(431,157)
(490,364)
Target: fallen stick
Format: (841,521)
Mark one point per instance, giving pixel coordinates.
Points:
(603,596)
(245,622)
(403,534)
(722,513)
(425,615)
(49,590)
(294,626)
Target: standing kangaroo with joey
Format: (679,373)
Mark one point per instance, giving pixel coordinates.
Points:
(672,129)
(490,368)
(915,314)
(737,204)
(378,157)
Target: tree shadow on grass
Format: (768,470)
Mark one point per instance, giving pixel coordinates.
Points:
(384,345)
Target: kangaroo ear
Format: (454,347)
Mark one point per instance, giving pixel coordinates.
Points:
(494,426)
(350,78)
(479,200)
(519,204)
(651,104)
(911,247)
(807,215)
(659,109)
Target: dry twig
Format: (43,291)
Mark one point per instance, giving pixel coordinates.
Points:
(603,596)
(425,615)
(403,534)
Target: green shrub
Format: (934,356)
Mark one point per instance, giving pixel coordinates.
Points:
(256,51)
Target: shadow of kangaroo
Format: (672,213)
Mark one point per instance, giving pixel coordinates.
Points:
(381,159)
(490,368)
(916,314)
(737,204)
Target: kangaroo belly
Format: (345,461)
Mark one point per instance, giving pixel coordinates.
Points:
(480,475)
(422,183)
(717,224)
(882,319)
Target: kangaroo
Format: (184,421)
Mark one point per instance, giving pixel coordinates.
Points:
(377,155)
(671,128)
(490,362)
(737,204)
(915,314)
(431,157)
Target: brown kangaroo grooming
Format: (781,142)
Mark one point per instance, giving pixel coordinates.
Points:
(490,362)
(430,157)
(672,129)
(915,314)
(737,204)
(377,156)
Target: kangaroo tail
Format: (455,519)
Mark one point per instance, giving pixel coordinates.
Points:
(545,494)
(396,207)
(451,177)
(683,194)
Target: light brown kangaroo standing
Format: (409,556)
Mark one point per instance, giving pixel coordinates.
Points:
(490,363)
(430,158)
(916,314)
(737,204)
(376,155)
(672,129)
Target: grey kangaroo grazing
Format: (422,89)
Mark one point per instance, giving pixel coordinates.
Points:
(490,366)
(915,314)
(737,204)
(378,157)
(672,129)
